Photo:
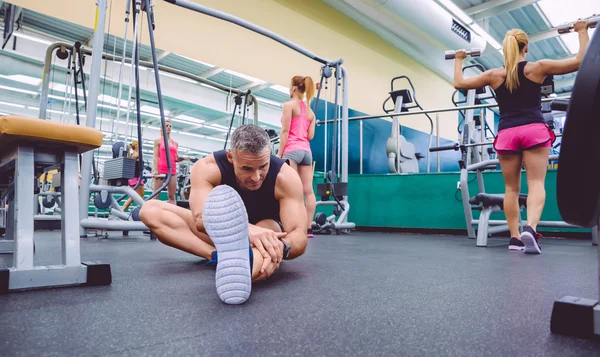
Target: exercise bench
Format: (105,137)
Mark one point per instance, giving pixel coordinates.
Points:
(27,147)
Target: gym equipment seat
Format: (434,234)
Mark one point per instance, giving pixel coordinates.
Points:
(27,146)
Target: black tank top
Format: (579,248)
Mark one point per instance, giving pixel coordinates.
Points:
(260,204)
(521,107)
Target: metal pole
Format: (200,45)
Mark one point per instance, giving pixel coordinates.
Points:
(46,75)
(361,146)
(86,167)
(250,26)
(437,133)
(85,50)
(429,111)
(326,138)
(344,127)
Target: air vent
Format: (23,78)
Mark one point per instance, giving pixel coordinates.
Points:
(461,31)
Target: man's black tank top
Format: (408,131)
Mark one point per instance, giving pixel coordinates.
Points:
(260,204)
(521,107)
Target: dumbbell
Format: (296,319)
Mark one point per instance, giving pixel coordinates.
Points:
(474,52)
(592,22)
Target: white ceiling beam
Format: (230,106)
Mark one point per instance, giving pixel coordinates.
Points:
(212,72)
(255,86)
(495,7)
(162,56)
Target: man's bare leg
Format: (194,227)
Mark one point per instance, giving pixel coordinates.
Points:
(175,227)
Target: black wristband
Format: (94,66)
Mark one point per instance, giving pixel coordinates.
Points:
(286,249)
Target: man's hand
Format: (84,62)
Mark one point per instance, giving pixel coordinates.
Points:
(460,54)
(268,268)
(268,244)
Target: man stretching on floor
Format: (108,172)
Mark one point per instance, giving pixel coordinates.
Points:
(246,214)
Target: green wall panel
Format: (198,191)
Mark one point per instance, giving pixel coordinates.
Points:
(427,201)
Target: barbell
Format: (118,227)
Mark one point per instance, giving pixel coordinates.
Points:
(592,22)
(474,52)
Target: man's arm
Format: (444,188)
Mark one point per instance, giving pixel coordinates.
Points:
(292,212)
(204,176)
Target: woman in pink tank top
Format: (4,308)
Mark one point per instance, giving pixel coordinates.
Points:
(297,129)
(160,163)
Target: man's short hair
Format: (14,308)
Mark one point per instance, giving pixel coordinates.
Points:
(250,138)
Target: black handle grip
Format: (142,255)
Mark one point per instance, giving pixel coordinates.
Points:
(445,148)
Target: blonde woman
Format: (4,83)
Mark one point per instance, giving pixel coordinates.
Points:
(523,136)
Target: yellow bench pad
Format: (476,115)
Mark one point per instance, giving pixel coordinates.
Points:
(47,134)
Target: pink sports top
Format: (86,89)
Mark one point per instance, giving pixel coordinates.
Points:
(162,157)
(298,135)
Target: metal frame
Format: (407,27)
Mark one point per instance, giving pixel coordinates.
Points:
(88,51)
(429,111)
(341,75)
(485,226)
(19,235)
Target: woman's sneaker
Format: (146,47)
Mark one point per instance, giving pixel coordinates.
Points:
(515,244)
(530,238)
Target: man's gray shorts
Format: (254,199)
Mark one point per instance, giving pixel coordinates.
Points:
(300,157)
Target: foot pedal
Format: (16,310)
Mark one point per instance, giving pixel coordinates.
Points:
(98,274)
(573,316)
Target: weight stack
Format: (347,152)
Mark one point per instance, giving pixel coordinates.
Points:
(118,171)
(56,181)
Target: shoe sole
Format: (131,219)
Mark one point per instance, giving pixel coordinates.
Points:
(531,246)
(226,221)
(515,247)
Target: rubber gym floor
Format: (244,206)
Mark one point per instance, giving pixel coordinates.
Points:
(362,294)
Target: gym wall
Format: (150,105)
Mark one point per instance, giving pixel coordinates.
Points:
(375,135)
(370,61)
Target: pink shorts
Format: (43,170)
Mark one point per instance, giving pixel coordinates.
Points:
(133,181)
(519,138)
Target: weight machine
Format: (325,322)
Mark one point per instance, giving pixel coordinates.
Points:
(401,154)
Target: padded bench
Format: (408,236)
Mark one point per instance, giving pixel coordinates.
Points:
(488,200)
(27,146)
(489,203)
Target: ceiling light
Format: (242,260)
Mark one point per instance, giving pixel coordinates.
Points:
(153,110)
(215,128)
(23,79)
(12,105)
(112,100)
(19,90)
(216,139)
(189,118)
(192,134)
(62,88)
(32,38)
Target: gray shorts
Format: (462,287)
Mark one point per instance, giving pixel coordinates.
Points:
(300,157)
